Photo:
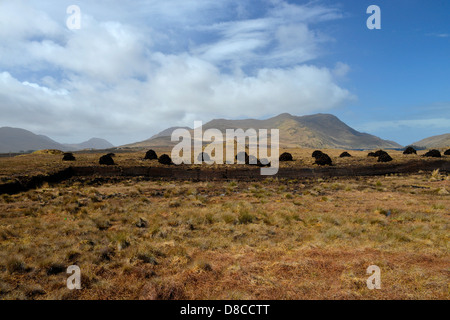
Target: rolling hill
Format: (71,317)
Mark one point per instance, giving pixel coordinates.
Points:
(168,132)
(94,143)
(161,139)
(312,131)
(440,141)
(20,140)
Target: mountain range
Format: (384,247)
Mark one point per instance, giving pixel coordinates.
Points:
(20,140)
(312,131)
(318,131)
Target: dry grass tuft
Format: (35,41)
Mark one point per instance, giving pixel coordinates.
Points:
(272,239)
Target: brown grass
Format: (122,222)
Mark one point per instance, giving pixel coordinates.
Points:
(44,163)
(274,239)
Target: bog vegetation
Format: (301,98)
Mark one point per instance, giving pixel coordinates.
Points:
(273,239)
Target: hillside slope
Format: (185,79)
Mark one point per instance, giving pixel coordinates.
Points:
(17,140)
(440,141)
(94,143)
(20,140)
(312,131)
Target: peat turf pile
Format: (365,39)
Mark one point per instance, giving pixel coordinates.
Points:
(68,157)
(382,156)
(433,154)
(203,157)
(316,153)
(165,159)
(242,156)
(410,150)
(150,155)
(286,157)
(322,159)
(107,160)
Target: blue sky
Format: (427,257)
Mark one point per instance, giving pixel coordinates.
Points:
(401,73)
(134,69)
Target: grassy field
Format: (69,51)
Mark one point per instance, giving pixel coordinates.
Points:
(275,239)
(41,163)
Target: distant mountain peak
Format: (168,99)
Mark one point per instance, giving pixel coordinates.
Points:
(21,140)
(95,139)
(320,130)
(92,143)
(284,116)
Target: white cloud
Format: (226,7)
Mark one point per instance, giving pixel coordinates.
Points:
(44,89)
(125,80)
(19,20)
(281,38)
(341,69)
(107,51)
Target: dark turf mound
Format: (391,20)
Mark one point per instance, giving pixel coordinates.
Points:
(253,161)
(376,154)
(447,153)
(203,157)
(384,157)
(106,160)
(111,154)
(410,150)
(68,157)
(379,153)
(433,153)
(243,156)
(316,154)
(323,160)
(264,162)
(345,154)
(150,155)
(286,157)
(165,159)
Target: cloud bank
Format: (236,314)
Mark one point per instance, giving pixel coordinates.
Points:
(134,69)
